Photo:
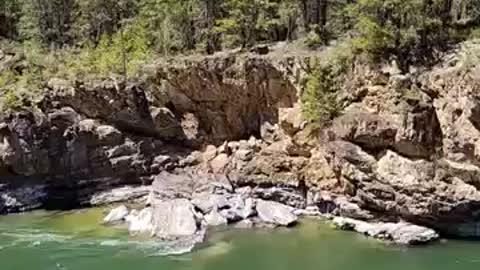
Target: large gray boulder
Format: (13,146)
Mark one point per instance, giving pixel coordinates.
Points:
(174,219)
(275,213)
(140,221)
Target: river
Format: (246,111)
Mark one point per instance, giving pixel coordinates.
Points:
(75,241)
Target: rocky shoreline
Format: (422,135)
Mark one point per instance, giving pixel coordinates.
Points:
(179,209)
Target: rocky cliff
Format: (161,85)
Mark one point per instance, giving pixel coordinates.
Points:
(406,147)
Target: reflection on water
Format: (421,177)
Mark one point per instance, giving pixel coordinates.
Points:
(77,241)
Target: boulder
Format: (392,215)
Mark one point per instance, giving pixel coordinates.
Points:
(219,163)
(207,202)
(400,233)
(291,119)
(403,173)
(109,135)
(63,118)
(166,125)
(209,153)
(140,222)
(174,219)
(237,208)
(116,215)
(364,128)
(215,219)
(275,213)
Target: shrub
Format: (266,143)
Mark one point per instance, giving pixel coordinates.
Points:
(10,101)
(319,99)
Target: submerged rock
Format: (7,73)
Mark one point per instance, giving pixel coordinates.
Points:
(275,213)
(244,224)
(400,233)
(116,215)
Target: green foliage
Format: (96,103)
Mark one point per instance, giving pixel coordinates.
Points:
(12,88)
(319,100)
(10,101)
(130,42)
(475,33)
(314,39)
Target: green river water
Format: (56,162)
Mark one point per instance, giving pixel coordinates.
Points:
(75,241)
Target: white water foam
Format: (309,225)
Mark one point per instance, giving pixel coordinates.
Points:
(36,239)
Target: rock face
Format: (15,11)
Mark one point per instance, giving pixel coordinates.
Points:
(400,233)
(408,151)
(213,90)
(88,137)
(22,195)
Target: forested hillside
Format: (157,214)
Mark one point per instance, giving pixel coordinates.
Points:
(69,38)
